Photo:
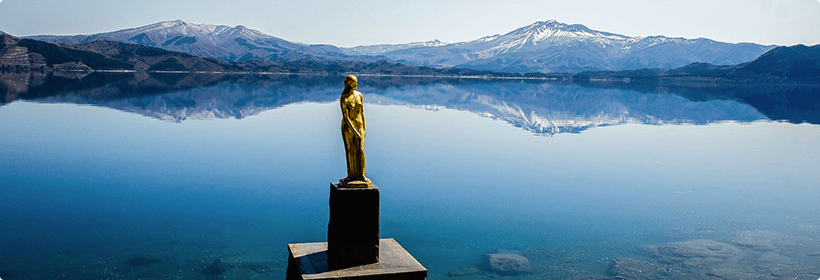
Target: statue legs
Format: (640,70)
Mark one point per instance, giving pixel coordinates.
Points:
(355,160)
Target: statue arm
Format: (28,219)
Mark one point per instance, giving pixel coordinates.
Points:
(361,105)
(361,109)
(346,119)
(350,123)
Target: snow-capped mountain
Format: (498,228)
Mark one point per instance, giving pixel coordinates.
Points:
(383,48)
(551,46)
(540,33)
(545,46)
(213,41)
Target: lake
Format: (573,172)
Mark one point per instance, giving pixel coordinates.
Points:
(157,176)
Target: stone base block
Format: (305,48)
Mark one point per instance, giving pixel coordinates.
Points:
(310,261)
(353,229)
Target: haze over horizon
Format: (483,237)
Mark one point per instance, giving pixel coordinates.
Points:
(779,22)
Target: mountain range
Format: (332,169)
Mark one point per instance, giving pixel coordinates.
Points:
(794,64)
(551,46)
(32,55)
(213,41)
(546,47)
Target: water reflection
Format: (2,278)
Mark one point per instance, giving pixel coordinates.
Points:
(540,107)
(547,108)
(91,193)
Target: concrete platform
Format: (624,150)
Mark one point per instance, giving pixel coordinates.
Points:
(309,261)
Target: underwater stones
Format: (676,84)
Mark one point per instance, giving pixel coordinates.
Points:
(537,254)
(596,277)
(243,274)
(507,262)
(675,252)
(770,257)
(774,264)
(634,269)
(463,272)
(757,245)
(757,254)
(759,240)
(730,271)
(215,268)
(142,260)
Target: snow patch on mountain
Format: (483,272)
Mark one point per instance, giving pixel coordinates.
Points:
(208,40)
(552,46)
(544,46)
(383,48)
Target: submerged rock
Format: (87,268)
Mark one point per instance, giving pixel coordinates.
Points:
(595,277)
(142,260)
(215,268)
(782,266)
(759,240)
(627,268)
(537,254)
(730,271)
(703,249)
(463,272)
(507,262)
(755,254)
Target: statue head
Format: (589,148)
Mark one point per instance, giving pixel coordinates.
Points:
(351,82)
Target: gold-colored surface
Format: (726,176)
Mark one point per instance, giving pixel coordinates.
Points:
(353,134)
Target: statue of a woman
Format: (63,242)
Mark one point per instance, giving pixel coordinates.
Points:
(353,134)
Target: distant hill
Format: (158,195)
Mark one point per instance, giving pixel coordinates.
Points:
(32,55)
(546,47)
(795,64)
(212,41)
(551,46)
(27,54)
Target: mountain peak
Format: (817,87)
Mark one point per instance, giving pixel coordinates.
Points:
(543,46)
(550,32)
(556,25)
(179,25)
(170,23)
(551,22)
(551,29)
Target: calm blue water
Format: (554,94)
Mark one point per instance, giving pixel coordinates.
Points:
(86,189)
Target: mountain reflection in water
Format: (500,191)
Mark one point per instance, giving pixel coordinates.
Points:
(538,106)
(92,193)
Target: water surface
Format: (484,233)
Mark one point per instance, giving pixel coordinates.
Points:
(159,185)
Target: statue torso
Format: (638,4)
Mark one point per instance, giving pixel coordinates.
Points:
(352,110)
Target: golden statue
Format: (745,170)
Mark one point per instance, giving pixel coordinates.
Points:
(353,135)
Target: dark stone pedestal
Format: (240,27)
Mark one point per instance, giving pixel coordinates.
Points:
(353,229)
(309,261)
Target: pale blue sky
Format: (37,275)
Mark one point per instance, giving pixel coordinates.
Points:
(364,22)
